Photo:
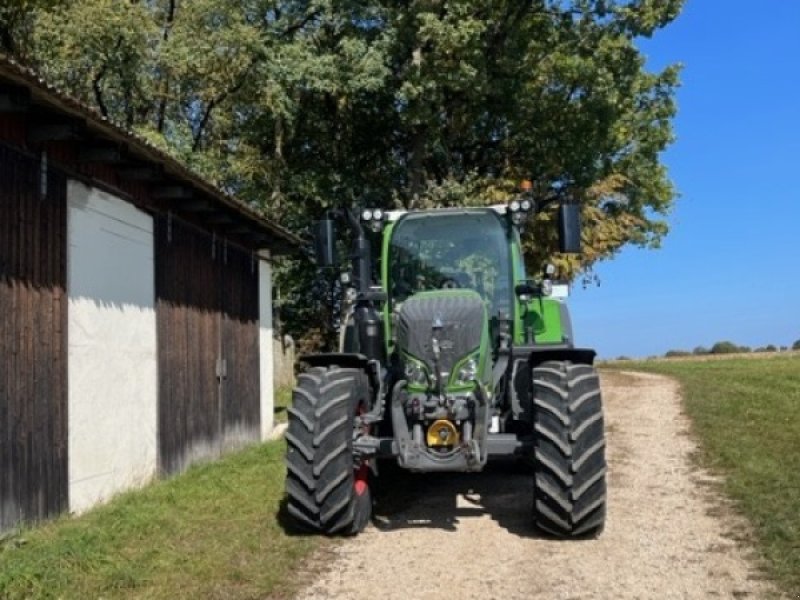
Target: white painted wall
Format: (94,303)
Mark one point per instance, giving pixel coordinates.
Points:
(266,348)
(112,346)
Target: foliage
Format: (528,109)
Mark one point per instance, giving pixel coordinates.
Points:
(767,348)
(212,532)
(728,348)
(746,414)
(700,350)
(17,18)
(796,345)
(298,106)
(676,353)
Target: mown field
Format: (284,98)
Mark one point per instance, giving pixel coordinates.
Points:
(746,415)
(210,533)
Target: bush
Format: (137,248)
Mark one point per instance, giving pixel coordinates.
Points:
(796,345)
(677,353)
(700,350)
(725,348)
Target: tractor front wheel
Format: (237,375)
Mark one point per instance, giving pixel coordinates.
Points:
(569,456)
(325,491)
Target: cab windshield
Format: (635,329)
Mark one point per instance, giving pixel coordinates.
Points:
(464,250)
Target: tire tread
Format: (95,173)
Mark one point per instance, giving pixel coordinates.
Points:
(569,452)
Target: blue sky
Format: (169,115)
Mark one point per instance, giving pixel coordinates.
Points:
(730,266)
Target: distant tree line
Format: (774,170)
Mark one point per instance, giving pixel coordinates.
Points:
(728,347)
(723,347)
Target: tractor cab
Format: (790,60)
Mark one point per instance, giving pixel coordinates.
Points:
(464,249)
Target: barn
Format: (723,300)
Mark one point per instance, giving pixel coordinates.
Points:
(135,308)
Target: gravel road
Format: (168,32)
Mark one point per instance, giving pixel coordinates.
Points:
(668,533)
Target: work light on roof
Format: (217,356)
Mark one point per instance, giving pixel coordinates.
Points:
(373,217)
(519,210)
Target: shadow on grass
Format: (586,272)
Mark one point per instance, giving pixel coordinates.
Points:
(289,524)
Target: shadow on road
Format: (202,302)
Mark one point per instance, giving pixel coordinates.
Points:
(504,491)
(405,500)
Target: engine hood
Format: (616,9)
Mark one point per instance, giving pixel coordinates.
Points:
(459,317)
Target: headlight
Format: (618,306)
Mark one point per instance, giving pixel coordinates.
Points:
(416,373)
(467,372)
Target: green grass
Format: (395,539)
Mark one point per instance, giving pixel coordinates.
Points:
(283,399)
(212,532)
(746,415)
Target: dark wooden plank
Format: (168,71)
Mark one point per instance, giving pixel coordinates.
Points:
(33,392)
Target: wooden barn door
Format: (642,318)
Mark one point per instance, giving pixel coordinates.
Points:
(208,352)
(33,332)
(240,347)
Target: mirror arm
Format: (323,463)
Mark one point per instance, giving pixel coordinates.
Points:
(362,267)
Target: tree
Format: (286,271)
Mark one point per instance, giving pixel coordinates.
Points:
(17,18)
(796,345)
(727,347)
(297,106)
(724,348)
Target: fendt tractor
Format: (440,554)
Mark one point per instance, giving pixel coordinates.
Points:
(449,356)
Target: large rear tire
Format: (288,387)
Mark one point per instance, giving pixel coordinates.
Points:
(569,457)
(325,494)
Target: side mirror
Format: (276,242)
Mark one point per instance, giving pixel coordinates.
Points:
(569,228)
(325,242)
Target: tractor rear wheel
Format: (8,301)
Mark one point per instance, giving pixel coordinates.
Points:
(569,457)
(325,491)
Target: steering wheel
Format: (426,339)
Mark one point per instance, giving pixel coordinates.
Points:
(450,284)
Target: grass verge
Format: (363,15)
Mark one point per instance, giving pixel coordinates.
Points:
(283,399)
(746,414)
(212,532)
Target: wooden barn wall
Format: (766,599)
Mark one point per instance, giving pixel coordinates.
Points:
(208,351)
(33,331)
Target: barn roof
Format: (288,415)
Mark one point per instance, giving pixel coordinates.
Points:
(53,115)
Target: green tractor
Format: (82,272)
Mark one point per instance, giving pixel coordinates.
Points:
(449,356)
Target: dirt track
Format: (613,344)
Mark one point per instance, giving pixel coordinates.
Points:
(668,535)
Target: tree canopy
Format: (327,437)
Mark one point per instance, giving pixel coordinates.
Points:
(300,105)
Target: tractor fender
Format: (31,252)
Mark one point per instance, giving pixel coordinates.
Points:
(372,384)
(524,360)
(346,360)
(581,356)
